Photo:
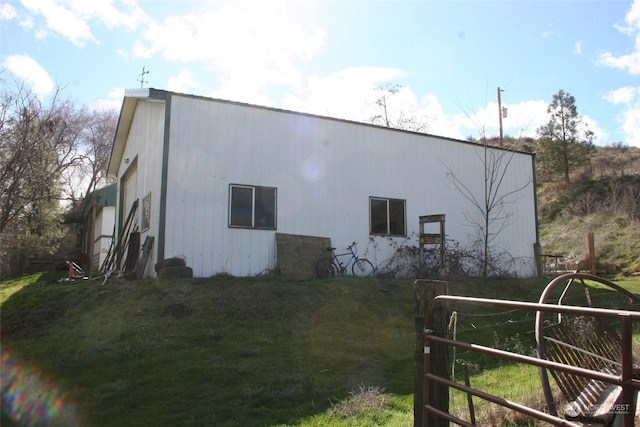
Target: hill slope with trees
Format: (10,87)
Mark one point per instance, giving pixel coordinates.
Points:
(603,197)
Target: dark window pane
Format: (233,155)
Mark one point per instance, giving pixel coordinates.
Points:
(397,217)
(378,208)
(265,216)
(241,206)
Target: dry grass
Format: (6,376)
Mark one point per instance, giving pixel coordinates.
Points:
(361,402)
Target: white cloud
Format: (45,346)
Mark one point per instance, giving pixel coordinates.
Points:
(72,18)
(631,125)
(351,94)
(112,102)
(117,92)
(60,19)
(29,71)
(632,20)
(523,120)
(347,94)
(629,117)
(629,61)
(600,136)
(577,48)
(438,123)
(249,49)
(105,12)
(7,11)
(26,22)
(623,95)
(183,82)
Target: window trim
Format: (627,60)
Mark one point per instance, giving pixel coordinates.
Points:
(387,200)
(253,189)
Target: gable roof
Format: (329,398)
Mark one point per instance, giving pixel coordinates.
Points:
(105,196)
(129,103)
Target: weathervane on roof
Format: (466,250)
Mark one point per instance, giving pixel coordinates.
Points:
(141,75)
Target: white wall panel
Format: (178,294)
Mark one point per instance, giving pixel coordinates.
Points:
(325,171)
(145,143)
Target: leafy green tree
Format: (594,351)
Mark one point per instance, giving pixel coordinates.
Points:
(565,143)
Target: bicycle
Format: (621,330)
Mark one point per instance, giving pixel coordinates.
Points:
(331,267)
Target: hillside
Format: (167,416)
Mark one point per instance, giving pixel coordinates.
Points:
(230,351)
(603,199)
(221,351)
(214,352)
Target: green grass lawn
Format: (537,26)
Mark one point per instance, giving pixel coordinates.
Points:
(225,351)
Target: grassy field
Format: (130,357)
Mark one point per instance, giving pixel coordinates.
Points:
(228,351)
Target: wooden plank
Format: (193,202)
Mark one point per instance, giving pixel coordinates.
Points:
(430,239)
(133,251)
(431,218)
(146,253)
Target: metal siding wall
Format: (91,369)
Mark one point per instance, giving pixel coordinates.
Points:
(145,141)
(325,171)
(103,227)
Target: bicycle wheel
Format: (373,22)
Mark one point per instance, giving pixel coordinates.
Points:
(363,268)
(325,268)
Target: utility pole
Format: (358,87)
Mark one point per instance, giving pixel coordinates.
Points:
(500,113)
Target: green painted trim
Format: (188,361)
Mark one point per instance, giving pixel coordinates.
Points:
(162,215)
(537,262)
(535,195)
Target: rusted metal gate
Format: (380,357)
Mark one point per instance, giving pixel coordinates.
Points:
(431,405)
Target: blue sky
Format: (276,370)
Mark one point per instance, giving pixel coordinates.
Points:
(328,57)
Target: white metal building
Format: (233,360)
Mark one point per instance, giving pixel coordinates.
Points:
(98,214)
(102,233)
(216,181)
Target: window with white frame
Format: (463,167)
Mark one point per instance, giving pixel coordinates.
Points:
(387,217)
(252,207)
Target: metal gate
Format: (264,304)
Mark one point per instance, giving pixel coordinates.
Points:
(431,403)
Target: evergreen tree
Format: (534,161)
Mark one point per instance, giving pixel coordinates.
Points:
(565,142)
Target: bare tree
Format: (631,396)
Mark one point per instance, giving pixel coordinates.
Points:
(489,213)
(33,154)
(50,152)
(30,143)
(631,202)
(95,130)
(390,113)
(615,196)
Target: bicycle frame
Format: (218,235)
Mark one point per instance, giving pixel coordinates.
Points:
(343,267)
(337,264)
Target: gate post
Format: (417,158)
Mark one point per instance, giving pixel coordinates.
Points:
(425,291)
